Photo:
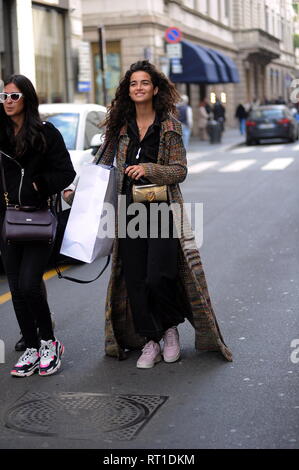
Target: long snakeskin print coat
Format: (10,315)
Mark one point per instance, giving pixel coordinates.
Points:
(170,169)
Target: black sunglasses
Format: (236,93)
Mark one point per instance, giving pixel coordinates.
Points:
(12,96)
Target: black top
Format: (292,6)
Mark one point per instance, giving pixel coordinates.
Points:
(241,112)
(141,151)
(51,171)
(219,110)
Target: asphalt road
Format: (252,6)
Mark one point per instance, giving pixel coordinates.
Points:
(250,256)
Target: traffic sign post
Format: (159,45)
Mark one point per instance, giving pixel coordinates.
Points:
(173,36)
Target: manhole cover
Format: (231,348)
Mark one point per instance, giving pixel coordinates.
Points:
(82,415)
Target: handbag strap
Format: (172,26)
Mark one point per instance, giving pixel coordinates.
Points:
(50,199)
(82,281)
(2,174)
(103,149)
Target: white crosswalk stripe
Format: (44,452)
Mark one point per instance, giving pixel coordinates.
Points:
(201,166)
(196,155)
(273,148)
(237,165)
(265,149)
(243,150)
(278,164)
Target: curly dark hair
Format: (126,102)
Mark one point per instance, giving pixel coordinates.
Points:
(122,108)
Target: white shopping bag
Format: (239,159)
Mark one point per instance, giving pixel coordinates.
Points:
(94,204)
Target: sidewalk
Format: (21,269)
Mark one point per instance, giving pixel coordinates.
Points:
(230,139)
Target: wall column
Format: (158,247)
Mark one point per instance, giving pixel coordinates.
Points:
(25,39)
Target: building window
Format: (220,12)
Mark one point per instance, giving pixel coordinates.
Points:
(50,63)
(113,71)
(272,91)
(282,31)
(267,19)
(208,8)
(6,46)
(227,8)
(260,20)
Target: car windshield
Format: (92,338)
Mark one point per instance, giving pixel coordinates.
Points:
(267,114)
(67,124)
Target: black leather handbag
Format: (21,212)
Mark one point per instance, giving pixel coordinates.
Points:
(23,224)
(27,224)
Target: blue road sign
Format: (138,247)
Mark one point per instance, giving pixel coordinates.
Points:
(173,35)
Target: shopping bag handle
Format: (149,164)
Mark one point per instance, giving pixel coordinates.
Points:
(82,281)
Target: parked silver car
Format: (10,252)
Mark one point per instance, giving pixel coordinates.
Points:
(79,126)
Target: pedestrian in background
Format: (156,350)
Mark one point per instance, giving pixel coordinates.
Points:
(219,113)
(38,148)
(155,282)
(254,104)
(280,100)
(185,116)
(203,117)
(241,114)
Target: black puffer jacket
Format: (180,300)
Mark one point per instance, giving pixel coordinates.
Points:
(51,171)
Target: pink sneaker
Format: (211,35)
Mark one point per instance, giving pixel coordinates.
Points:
(151,354)
(172,349)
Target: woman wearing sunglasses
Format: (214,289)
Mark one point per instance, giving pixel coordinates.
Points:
(36,165)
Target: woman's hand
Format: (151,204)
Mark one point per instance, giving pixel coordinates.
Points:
(135,171)
(68,195)
(35,187)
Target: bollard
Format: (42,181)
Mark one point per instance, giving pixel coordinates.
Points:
(214,131)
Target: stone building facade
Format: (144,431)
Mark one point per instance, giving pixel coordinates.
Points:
(41,39)
(263,31)
(256,34)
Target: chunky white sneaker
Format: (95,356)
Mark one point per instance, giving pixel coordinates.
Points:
(27,364)
(50,356)
(172,349)
(151,354)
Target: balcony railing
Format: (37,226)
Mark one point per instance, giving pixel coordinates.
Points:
(257,41)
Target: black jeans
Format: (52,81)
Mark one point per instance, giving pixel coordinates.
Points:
(25,265)
(150,267)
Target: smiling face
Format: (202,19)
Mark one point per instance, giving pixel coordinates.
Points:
(141,89)
(12,108)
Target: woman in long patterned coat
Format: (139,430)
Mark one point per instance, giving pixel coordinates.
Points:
(141,100)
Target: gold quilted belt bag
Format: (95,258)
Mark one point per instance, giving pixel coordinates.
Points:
(149,193)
